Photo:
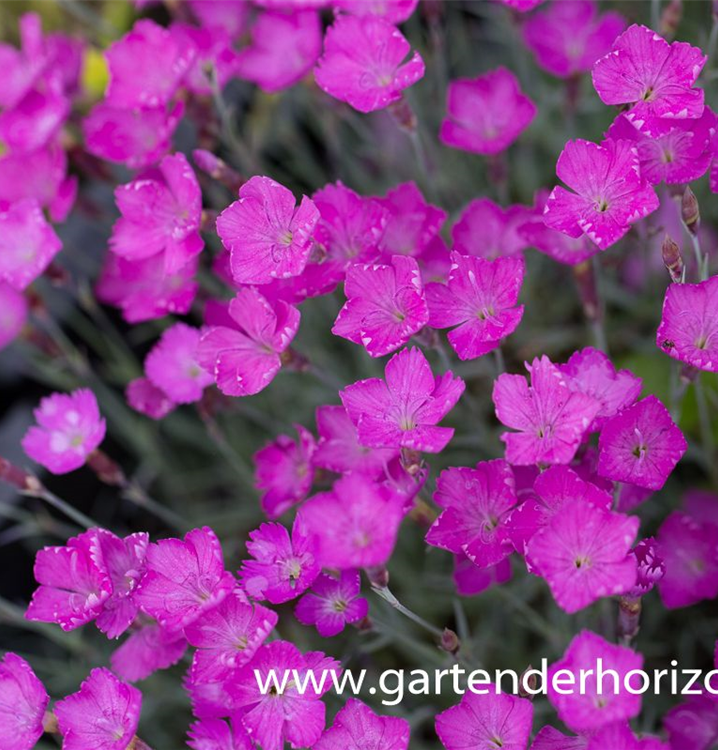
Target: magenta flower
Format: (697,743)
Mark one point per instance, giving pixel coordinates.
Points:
(356,726)
(676,154)
(618,737)
(13,314)
(656,77)
(285,714)
(34,123)
(123,560)
(146,398)
(385,305)
(284,472)
(283,566)
(486,721)
(689,549)
(411,223)
(27,244)
(227,15)
(160,215)
(692,725)
(227,636)
(283,49)
(142,289)
(591,372)
(151,48)
(214,52)
(549,738)
(74,585)
(184,579)
(609,194)
(583,553)
(651,567)
(244,359)
(487,114)
(549,418)
(476,503)
(331,603)
(23,701)
(216,734)
(486,230)
(363,63)
(568,38)
(25,65)
(480,298)
(689,324)
(172,365)
(149,647)
(103,714)
(641,445)
(339,450)
(134,137)
(403,409)
(585,710)
(69,428)
(356,523)
(570,251)
(267,235)
(394,11)
(471,581)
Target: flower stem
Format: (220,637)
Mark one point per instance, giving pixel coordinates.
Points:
(387,596)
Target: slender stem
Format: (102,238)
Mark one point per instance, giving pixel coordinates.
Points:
(500,363)
(37,489)
(701,258)
(712,41)
(135,493)
(387,596)
(706,430)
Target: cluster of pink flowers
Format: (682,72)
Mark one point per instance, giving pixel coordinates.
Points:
(581,444)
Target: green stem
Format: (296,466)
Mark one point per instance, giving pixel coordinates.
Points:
(387,596)
(38,490)
(706,430)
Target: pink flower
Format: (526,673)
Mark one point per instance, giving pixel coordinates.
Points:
(283,50)
(676,154)
(689,549)
(641,445)
(689,325)
(551,739)
(403,409)
(363,63)
(151,48)
(693,725)
(123,560)
(69,428)
(471,581)
(411,223)
(13,314)
(283,566)
(568,38)
(339,450)
(284,715)
(331,603)
(588,710)
(480,297)
(583,553)
(146,398)
(651,567)
(134,137)
(149,647)
(394,11)
(284,472)
(216,734)
(227,636)
(616,736)
(184,579)
(27,244)
(487,114)
(24,66)
(562,248)
(358,727)
(172,365)
(142,289)
(23,701)
(656,77)
(486,721)
(228,15)
(549,418)
(267,235)
(356,523)
(74,584)
(213,52)
(591,372)
(610,192)
(476,503)
(103,714)
(244,359)
(486,230)
(34,123)
(385,305)
(161,213)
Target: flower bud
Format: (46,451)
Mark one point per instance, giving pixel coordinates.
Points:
(14,476)
(528,683)
(690,212)
(449,641)
(672,260)
(671,19)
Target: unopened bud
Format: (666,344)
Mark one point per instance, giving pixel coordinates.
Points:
(587,290)
(690,212)
(365,625)
(378,576)
(528,683)
(449,641)
(217,168)
(14,476)
(671,19)
(629,618)
(672,259)
(106,469)
(411,461)
(403,115)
